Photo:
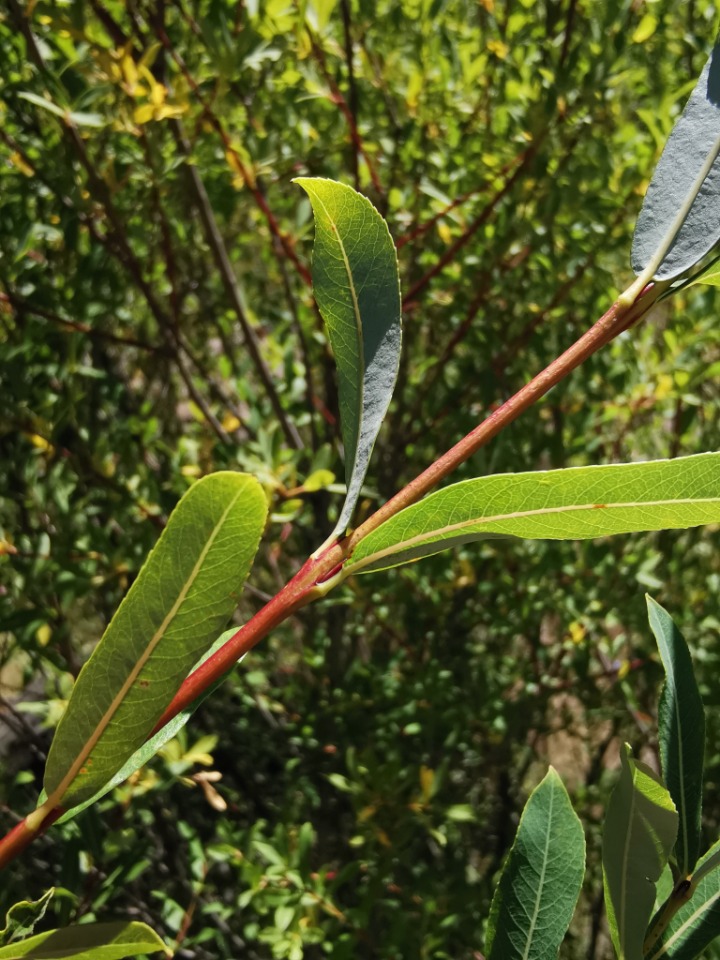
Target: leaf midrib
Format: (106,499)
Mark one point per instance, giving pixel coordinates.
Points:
(516,515)
(56,796)
(703,908)
(358,332)
(536,909)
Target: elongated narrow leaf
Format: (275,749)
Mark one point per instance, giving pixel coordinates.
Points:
(148,750)
(357,288)
(540,883)
(89,941)
(697,922)
(638,835)
(182,598)
(681,211)
(681,728)
(574,504)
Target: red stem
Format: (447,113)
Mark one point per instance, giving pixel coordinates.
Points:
(307,583)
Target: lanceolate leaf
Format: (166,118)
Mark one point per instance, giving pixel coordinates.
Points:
(357,288)
(540,883)
(89,941)
(148,750)
(681,727)
(697,922)
(182,598)
(574,504)
(639,833)
(680,217)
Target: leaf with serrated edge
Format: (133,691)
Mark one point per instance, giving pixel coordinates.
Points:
(639,832)
(88,941)
(697,922)
(681,734)
(357,289)
(578,503)
(183,596)
(540,883)
(680,216)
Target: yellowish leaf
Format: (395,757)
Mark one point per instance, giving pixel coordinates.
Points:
(645,29)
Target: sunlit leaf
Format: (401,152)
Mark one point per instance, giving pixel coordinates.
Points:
(182,598)
(573,504)
(357,288)
(680,217)
(88,941)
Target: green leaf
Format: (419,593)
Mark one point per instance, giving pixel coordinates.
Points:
(575,504)
(680,217)
(183,596)
(638,835)
(89,941)
(357,288)
(540,883)
(43,103)
(21,918)
(697,923)
(681,728)
(148,750)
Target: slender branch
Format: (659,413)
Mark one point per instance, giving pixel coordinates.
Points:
(321,573)
(222,261)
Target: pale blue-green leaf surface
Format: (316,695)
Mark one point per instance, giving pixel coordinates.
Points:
(572,504)
(639,833)
(357,289)
(182,598)
(681,733)
(678,184)
(88,941)
(541,880)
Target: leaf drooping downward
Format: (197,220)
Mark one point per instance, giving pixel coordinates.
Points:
(182,598)
(578,503)
(680,217)
(357,288)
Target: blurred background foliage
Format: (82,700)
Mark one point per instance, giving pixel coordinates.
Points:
(353,789)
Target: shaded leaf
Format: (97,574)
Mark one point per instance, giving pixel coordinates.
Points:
(182,598)
(574,504)
(681,729)
(697,922)
(638,835)
(357,289)
(680,217)
(540,883)
(89,941)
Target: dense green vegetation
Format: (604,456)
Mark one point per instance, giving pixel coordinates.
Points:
(158,323)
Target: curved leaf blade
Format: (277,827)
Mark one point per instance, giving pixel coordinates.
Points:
(150,747)
(697,922)
(638,835)
(88,941)
(574,504)
(540,883)
(183,596)
(357,289)
(681,728)
(680,217)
